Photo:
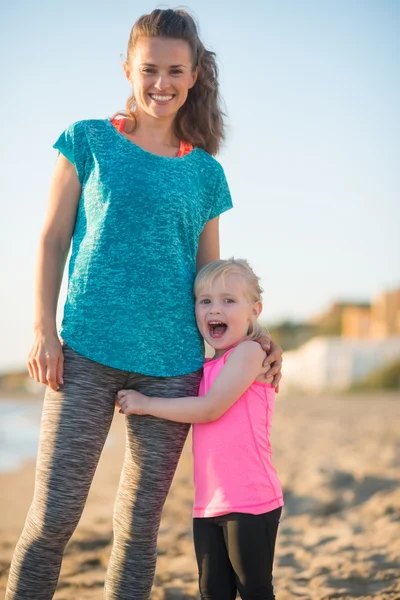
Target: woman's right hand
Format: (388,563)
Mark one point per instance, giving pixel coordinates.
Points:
(46,361)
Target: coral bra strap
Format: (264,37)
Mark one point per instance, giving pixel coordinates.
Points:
(119,124)
(184,147)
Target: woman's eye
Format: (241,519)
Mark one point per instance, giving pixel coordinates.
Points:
(148,70)
(176,72)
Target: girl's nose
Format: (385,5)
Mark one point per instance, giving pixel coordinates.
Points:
(214,310)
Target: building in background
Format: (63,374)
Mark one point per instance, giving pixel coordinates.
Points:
(356,321)
(353,340)
(385,315)
(378,320)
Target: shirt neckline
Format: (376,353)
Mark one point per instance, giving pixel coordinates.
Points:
(146,152)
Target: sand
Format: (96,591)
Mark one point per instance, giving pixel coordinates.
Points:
(339,462)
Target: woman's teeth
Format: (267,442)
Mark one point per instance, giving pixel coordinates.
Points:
(160,98)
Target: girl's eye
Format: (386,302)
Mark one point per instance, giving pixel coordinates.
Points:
(205,301)
(228,300)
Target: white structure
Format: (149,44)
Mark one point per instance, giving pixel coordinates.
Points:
(335,363)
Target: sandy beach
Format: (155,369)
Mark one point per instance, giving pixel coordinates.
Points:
(339,462)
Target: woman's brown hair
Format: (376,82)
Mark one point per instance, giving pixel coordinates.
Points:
(200,120)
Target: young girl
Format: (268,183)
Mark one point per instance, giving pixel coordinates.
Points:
(238,497)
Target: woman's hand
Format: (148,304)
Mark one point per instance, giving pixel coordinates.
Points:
(132,402)
(46,361)
(273,360)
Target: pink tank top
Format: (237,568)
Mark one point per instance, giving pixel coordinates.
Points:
(233,471)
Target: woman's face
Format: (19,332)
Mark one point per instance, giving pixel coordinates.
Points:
(161,72)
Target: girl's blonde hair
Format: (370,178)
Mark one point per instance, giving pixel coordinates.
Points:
(238,266)
(200,120)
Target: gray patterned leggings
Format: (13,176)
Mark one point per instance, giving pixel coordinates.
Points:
(75,424)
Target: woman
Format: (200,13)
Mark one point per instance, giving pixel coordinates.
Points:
(140,200)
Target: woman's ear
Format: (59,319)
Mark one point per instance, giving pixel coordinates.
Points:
(128,72)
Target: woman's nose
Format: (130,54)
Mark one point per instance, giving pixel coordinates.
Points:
(162,82)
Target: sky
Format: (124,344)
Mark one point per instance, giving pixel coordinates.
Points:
(312,94)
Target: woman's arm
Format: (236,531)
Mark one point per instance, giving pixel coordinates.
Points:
(45,360)
(272,362)
(236,376)
(208,248)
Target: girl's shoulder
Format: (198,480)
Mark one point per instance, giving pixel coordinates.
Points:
(248,348)
(250,353)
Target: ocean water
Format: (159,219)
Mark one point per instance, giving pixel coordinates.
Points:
(19,432)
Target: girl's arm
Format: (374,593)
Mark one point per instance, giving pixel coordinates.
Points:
(45,361)
(236,376)
(208,248)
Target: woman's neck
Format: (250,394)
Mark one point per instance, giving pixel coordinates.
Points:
(156,132)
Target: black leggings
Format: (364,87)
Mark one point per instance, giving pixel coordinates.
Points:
(235,553)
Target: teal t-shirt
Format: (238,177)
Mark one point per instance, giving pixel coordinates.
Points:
(130,298)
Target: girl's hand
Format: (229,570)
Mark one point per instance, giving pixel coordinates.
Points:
(46,361)
(273,360)
(132,402)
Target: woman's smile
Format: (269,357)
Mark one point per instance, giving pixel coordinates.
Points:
(161,98)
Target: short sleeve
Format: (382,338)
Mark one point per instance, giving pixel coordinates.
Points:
(72,144)
(222,200)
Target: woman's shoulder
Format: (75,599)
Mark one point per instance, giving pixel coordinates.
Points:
(85,125)
(208,166)
(209,160)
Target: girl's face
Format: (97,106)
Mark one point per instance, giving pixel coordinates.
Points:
(161,72)
(224,312)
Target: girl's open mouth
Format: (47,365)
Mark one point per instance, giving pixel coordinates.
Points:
(217,329)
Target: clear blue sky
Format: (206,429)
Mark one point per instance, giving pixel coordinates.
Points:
(312,94)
